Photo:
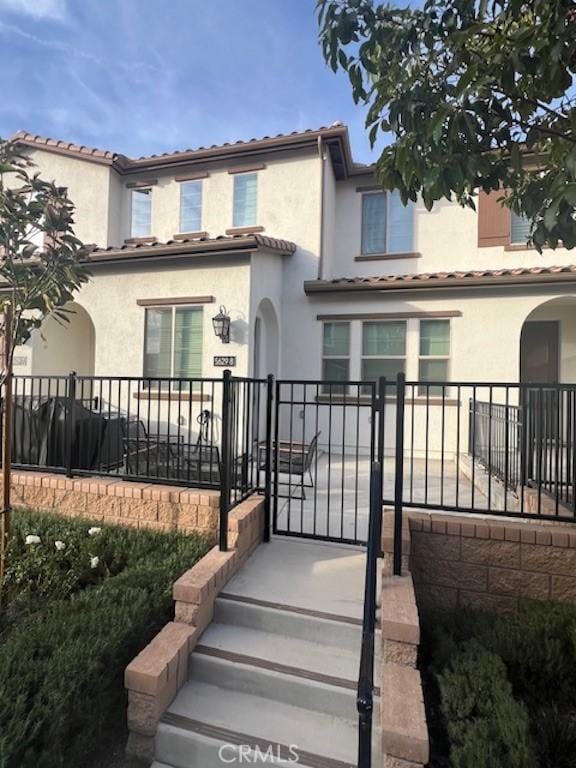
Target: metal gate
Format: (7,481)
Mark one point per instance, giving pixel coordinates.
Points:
(322,449)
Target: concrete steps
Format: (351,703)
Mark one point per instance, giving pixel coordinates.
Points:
(263,679)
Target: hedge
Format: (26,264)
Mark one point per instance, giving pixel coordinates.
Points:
(505,686)
(69,630)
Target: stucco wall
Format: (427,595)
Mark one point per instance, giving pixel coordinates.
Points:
(88,188)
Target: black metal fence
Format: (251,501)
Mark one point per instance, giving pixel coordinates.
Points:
(193,432)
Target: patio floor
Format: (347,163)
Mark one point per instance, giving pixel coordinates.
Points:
(338,504)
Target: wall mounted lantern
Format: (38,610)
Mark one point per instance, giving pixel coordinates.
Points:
(221,323)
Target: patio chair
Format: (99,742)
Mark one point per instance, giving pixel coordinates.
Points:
(293,458)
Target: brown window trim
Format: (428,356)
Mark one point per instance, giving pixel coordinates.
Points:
(244,230)
(370,188)
(141,184)
(247,168)
(189,235)
(160,394)
(141,240)
(388,256)
(175,301)
(192,176)
(393,315)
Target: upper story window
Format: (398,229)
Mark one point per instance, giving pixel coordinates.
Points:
(519,229)
(173,343)
(245,199)
(383,349)
(335,355)
(141,213)
(190,206)
(387,225)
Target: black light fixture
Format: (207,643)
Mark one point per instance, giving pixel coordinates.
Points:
(221,323)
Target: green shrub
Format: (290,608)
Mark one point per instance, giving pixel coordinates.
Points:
(536,651)
(62,658)
(486,726)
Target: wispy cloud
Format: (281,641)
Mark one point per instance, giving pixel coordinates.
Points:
(38,9)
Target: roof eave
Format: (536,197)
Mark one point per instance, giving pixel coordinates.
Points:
(312,287)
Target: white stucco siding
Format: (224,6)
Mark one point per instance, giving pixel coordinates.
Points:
(266,310)
(110,298)
(88,188)
(446,239)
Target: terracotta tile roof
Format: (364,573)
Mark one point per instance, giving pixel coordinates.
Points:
(336,134)
(101,155)
(191,247)
(457,279)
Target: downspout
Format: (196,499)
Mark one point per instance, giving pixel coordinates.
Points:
(321,239)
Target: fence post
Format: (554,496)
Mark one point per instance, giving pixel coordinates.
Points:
(225,468)
(399,473)
(70,421)
(268,460)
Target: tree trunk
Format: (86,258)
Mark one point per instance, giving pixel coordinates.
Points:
(6,438)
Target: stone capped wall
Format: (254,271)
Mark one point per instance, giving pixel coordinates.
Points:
(120,502)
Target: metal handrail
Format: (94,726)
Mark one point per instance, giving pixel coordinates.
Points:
(365,691)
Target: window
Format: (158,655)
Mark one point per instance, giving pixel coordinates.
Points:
(173,343)
(519,229)
(383,349)
(190,206)
(336,355)
(245,198)
(434,354)
(141,212)
(387,225)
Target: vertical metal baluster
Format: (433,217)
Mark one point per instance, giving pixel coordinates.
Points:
(490,427)
(427,438)
(302,455)
(357,457)
(278,402)
(473,425)
(458,416)
(442,442)
(316,417)
(506,446)
(342,462)
(329,487)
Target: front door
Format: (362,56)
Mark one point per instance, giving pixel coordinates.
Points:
(539,342)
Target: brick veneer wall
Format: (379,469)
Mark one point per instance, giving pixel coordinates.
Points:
(109,500)
(486,562)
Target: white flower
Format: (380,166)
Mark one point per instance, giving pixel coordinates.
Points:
(94,562)
(59,545)
(33,539)
(94,531)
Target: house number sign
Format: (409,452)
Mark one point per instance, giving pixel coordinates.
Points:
(224,361)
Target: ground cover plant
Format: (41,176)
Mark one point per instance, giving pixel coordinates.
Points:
(79,600)
(501,689)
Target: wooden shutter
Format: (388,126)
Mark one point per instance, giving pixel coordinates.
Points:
(493,220)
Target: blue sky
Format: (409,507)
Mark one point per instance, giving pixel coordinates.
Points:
(146,76)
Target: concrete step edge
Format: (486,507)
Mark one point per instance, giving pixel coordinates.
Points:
(291,609)
(227,736)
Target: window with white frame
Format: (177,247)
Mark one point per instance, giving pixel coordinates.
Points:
(519,229)
(172,343)
(383,349)
(245,199)
(141,221)
(387,225)
(336,355)
(190,206)
(434,354)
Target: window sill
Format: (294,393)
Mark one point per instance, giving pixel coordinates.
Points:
(140,240)
(366,400)
(244,230)
(189,235)
(388,256)
(173,396)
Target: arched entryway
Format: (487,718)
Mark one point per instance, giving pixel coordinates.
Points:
(266,340)
(63,346)
(548,343)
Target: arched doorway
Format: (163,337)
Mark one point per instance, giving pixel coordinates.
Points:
(61,347)
(266,340)
(548,343)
